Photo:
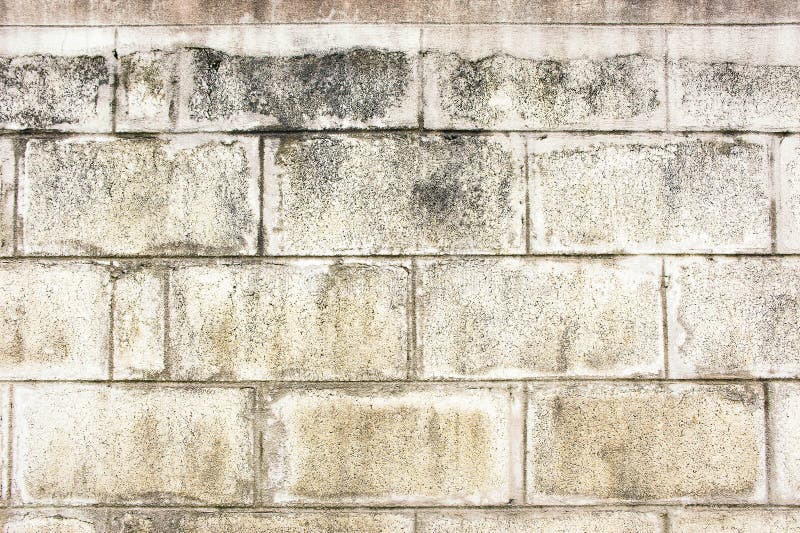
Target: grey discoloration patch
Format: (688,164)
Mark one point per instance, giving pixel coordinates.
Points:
(613,194)
(139,196)
(307,321)
(403,447)
(147,90)
(733,95)
(546,93)
(396,193)
(699,443)
(510,318)
(42,91)
(357,85)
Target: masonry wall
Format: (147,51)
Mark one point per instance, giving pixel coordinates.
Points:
(416,267)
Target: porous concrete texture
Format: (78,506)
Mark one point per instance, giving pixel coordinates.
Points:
(415,266)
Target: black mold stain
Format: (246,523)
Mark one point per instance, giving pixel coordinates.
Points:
(767,82)
(357,84)
(44,90)
(619,87)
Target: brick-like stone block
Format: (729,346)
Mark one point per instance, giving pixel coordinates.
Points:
(392,447)
(397,193)
(83,444)
(7,191)
(734,78)
(56,78)
(54,320)
(650,194)
(734,520)
(526,521)
(515,318)
(54,521)
(618,442)
(784,404)
(788,196)
(122,196)
(733,317)
(139,323)
(306,320)
(282,77)
(539,77)
(229,522)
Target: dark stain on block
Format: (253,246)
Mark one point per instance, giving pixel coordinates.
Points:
(40,91)
(357,84)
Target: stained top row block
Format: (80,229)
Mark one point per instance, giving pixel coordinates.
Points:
(106,12)
(317,77)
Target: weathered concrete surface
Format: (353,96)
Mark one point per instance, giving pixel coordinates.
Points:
(734,520)
(526,521)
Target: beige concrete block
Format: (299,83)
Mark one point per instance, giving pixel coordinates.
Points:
(392,447)
(281,77)
(399,193)
(147,89)
(733,317)
(140,196)
(263,522)
(650,194)
(654,442)
(515,318)
(784,403)
(305,320)
(53,521)
(54,320)
(56,78)
(734,78)
(540,77)
(788,195)
(529,521)
(84,444)
(7,187)
(139,323)
(735,520)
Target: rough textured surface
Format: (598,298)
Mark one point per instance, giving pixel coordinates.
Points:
(788,196)
(734,317)
(7,190)
(734,78)
(784,402)
(642,194)
(403,447)
(538,522)
(513,318)
(309,320)
(54,321)
(79,444)
(52,521)
(139,323)
(515,77)
(646,442)
(735,521)
(146,94)
(104,196)
(341,194)
(300,522)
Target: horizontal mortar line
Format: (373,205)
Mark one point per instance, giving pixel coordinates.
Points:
(450,382)
(396,257)
(688,24)
(48,134)
(289,508)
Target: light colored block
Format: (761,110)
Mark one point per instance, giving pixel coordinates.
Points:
(788,195)
(392,447)
(7,187)
(139,323)
(784,403)
(650,194)
(399,193)
(528,521)
(734,78)
(647,442)
(85,444)
(54,320)
(53,521)
(195,195)
(540,77)
(515,318)
(735,520)
(305,320)
(733,317)
(284,77)
(56,78)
